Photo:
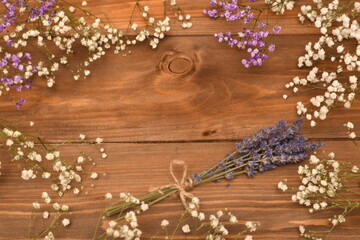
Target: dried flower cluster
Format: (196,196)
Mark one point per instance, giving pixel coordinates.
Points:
(252,39)
(50,26)
(280,6)
(38,159)
(333,60)
(271,147)
(324,185)
(215,228)
(51,214)
(350,127)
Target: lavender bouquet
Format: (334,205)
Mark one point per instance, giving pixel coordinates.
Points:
(265,150)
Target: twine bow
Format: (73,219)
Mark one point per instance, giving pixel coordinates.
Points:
(183,185)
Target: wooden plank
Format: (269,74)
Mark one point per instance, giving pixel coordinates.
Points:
(120,11)
(189,89)
(136,167)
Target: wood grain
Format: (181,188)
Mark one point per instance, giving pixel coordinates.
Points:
(120,12)
(139,98)
(136,167)
(190,99)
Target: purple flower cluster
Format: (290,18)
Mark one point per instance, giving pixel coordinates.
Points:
(18,65)
(274,146)
(248,39)
(47,7)
(231,11)
(271,147)
(9,18)
(252,41)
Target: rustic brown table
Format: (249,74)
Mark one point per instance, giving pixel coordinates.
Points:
(190,99)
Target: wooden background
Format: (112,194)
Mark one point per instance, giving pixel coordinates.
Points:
(190,99)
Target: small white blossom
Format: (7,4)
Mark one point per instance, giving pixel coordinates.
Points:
(186,228)
(164,223)
(65,222)
(108,196)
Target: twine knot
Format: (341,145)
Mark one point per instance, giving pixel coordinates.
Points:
(184,185)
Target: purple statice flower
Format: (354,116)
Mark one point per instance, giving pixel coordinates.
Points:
(230,10)
(265,150)
(20,103)
(262,25)
(251,40)
(256,58)
(17,65)
(9,18)
(276,29)
(271,47)
(47,7)
(254,43)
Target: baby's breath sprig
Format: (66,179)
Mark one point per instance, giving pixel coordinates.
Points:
(280,6)
(265,150)
(55,213)
(49,30)
(333,60)
(255,36)
(37,158)
(215,228)
(324,185)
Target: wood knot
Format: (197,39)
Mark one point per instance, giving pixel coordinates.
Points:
(179,65)
(176,63)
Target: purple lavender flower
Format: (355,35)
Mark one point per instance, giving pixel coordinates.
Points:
(265,150)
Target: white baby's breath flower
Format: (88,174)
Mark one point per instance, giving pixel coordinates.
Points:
(233,219)
(134,26)
(186,228)
(36,205)
(50,156)
(82,137)
(56,206)
(144,206)
(80,159)
(201,216)
(352,135)
(65,222)
(248,237)
(45,215)
(164,223)
(93,175)
(9,142)
(76,191)
(282,186)
(108,196)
